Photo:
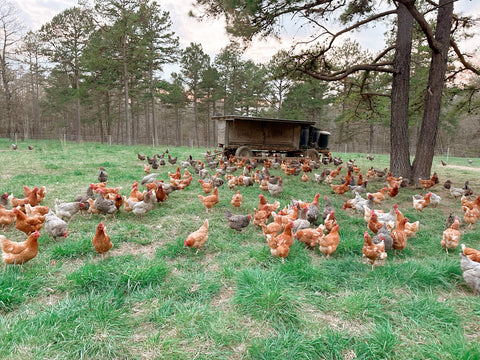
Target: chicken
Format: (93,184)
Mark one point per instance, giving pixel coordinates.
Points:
(329,243)
(284,241)
(330,221)
(147,168)
(410,228)
(55,226)
(102,175)
(101,241)
(274,227)
(310,237)
(472,254)
(211,200)
(237,199)
(27,224)
(207,186)
(7,217)
(260,217)
(426,184)
(237,222)
(392,180)
(84,198)
(313,211)
(327,208)
(4,201)
(172,160)
(470,204)
(268,207)
(340,189)
(176,175)
(275,189)
(67,210)
(471,273)
(36,210)
(373,252)
(332,175)
(92,209)
(105,206)
(383,235)
(197,238)
(40,192)
(149,178)
(301,222)
(115,197)
(449,221)
(359,189)
(471,216)
(31,199)
(392,191)
(140,208)
(421,202)
(141,157)
(457,192)
(19,252)
(434,200)
(374,225)
(379,196)
(399,236)
(451,236)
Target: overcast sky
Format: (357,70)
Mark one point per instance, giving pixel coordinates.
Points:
(211,34)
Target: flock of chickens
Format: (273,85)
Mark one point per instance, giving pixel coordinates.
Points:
(305,221)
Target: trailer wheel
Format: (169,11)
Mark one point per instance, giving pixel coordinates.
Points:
(243,151)
(312,154)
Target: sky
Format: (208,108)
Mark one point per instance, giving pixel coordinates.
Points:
(211,33)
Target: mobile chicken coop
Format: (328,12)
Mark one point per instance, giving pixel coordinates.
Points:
(247,136)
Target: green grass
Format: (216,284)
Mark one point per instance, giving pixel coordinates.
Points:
(154,298)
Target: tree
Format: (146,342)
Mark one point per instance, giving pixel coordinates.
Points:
(280,84)
(119,18)
(160,47)
(31,50)
(173,95)
(10,36)
(211,87)
(248,19)
(64,39)
(194,62)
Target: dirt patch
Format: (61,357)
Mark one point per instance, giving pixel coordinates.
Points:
(128,248)
(335,322)
(466,168)
(226,294)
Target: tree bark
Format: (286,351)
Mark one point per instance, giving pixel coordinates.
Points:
(422,164)
(399,143)
(125,84)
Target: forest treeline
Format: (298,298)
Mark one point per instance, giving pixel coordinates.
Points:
(95,72)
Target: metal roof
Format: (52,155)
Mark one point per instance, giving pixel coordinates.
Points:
(256,118)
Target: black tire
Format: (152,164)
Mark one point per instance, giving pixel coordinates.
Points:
(243,151)
(312,154)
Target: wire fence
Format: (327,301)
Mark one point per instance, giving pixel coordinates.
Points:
(452,150)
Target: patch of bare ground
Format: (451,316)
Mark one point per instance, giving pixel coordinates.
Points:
(334,321)
(223,298)
(466,168)
(130,248)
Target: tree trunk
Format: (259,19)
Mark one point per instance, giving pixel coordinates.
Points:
(77,106)
(125,84)
(399,143)
(422,164)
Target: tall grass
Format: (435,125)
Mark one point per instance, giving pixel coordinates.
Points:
(154,298)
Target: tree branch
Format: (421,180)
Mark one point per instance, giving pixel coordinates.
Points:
(462,59)
(422,22)
(339,75)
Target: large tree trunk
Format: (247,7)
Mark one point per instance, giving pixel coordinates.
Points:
(422,164)
(399,144)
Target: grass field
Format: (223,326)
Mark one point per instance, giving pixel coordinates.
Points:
(153,298)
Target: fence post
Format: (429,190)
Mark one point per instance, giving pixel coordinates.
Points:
(110,140)
(448,153)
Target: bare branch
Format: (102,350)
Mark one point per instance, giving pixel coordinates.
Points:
(462,59)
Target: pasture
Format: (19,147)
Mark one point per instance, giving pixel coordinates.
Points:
(153,298)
